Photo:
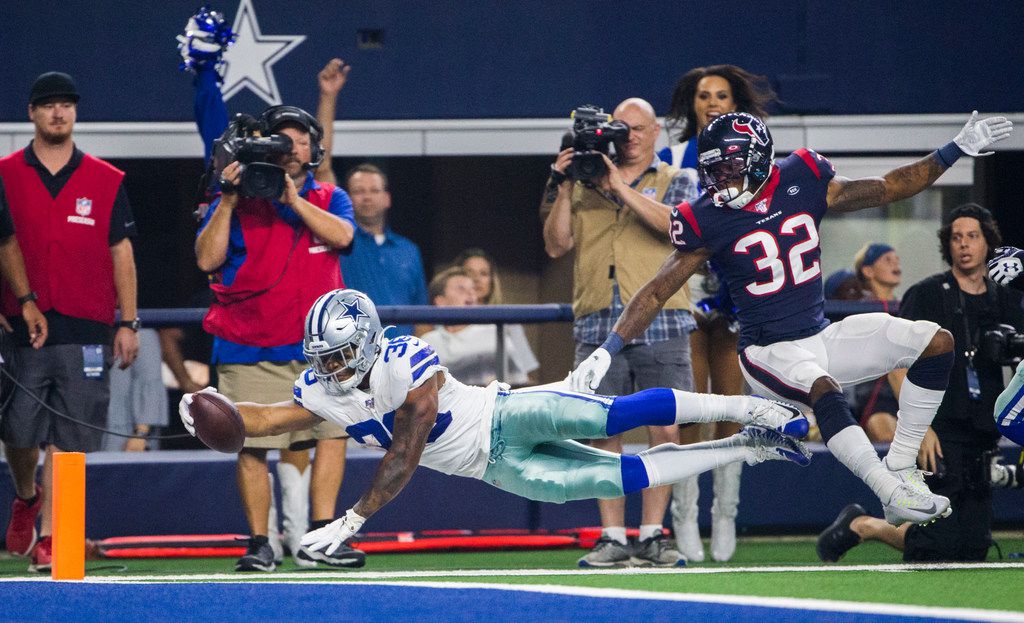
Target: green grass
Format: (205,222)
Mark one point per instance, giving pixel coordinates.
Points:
(974,588)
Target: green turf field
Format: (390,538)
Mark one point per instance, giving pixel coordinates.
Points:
(990,588)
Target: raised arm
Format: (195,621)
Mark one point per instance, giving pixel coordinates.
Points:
(331,79)
(637,316)
(846,195)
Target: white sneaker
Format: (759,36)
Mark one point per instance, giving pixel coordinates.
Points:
(907,504)
(723,537)
(781,416)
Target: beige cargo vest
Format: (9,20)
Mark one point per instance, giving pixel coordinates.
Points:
(614,245)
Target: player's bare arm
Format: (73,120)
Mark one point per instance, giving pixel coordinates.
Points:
(274,419)
(846,195)
(413,422)
(648,301)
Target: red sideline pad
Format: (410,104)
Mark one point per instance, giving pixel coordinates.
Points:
(229,546)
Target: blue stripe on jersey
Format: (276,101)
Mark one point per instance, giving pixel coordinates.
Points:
(418,372)
(420,355)
(773,383)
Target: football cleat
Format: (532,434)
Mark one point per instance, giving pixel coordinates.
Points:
(837,539)
(908,504)
(767,444)
(782,416)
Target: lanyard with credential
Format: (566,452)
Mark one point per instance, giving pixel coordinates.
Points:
(973,384)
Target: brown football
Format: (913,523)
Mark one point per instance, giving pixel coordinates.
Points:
(218,423)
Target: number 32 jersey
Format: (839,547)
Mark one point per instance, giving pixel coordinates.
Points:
(767,251)
(459,442)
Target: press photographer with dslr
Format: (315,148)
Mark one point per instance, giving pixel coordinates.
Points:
(618,248)
(272,240)
(984,317)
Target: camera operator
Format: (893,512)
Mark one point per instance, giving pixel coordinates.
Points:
(273,257)
(959,447)
(618,248)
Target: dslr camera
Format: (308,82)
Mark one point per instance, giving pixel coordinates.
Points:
(1002,344)
(592,132)
(243,142)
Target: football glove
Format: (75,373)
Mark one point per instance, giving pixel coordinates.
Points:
(587,376)
(1007,265)
(183,405)
(977,135)
(330,537)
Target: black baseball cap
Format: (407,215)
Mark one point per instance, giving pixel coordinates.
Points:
(53,84)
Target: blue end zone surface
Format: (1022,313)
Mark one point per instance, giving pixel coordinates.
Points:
(261,601)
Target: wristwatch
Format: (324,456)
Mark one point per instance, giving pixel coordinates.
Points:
(31,296)
(134,325)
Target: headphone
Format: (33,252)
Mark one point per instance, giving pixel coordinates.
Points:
(275,116)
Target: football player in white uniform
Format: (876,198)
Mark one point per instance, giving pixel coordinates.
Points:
(396,395)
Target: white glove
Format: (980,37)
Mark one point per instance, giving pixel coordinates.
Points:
(1006,265)
(977,135)
(330,537)
(587,376)
(183,405)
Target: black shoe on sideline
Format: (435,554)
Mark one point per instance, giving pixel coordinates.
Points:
(838,538)
(258,557)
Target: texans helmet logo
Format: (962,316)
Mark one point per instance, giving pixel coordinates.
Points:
(751,130)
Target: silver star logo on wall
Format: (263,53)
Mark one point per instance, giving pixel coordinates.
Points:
(249,63)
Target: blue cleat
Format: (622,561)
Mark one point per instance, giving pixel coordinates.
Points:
(767,444)
(781,416)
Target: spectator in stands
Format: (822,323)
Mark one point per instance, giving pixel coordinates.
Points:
(617,251)
(878,267)
(957,446)
(253,353)
(138,400)
(385,265)
(75,227)
(700,95)
(481,268)
(470,351)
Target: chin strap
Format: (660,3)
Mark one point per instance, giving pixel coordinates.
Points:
(734,198)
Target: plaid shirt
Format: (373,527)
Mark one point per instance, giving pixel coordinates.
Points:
(669,323)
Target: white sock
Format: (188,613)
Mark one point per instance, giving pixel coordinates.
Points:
(726,485)
(615,533)
(917,410)
(648,531)
(853,449)
(294,498)
(669,463)
(700,408)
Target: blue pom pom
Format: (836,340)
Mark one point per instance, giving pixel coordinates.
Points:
(205,38)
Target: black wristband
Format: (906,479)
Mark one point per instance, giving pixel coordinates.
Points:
(557,177)
(31,296)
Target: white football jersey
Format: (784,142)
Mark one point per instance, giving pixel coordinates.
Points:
(460,441)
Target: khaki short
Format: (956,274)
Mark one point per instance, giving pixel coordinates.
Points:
(268,383)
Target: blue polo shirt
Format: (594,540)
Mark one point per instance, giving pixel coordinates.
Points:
(390,273)
(226,351)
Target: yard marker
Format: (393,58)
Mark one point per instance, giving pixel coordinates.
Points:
(68,516)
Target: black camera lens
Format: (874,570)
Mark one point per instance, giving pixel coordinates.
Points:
(262,180)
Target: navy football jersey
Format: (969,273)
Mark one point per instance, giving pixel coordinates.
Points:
(768,251)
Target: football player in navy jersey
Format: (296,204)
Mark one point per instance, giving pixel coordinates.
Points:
(758,220)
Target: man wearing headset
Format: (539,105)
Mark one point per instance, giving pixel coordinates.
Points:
(269,260)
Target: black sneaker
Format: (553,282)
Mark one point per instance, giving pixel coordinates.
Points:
(838,538)
(657,551)
(258,557)
(345,557)
(608,553)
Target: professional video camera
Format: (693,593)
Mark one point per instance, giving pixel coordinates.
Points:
(1002,344)
(242,142)
(592,131)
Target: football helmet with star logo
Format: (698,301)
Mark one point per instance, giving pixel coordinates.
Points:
(342,339)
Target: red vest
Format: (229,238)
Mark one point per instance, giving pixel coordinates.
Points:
(65,241)
(284,271)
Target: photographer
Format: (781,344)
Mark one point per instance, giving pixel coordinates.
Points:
(618,249)
(272,258)
(959,446)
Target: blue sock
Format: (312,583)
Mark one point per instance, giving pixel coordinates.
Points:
(931,372)
(634,474)
(650,407)
(833,414)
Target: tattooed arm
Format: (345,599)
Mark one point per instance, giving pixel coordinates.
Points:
(846,195)
(648,301)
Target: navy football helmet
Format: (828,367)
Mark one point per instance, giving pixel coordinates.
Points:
(734,146)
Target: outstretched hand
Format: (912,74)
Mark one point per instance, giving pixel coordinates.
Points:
(977,135)
(587,376)
(333,76)
(330,537)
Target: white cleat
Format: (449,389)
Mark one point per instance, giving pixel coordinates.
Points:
(768,444)
(910,505)
(781,416)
